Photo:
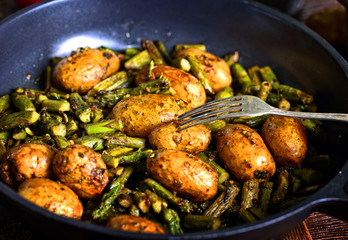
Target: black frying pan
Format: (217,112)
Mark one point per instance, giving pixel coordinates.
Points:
(299,57)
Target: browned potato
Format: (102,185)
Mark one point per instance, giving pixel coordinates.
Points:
(244,153)
(28,160)
(142,113)
(81,169)
(183,173)
(52,196)
(134,224)
(286,138)
(84,68)
(217,70)
(186,86)
(195,139)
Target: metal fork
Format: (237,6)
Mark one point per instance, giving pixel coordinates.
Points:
(244,106)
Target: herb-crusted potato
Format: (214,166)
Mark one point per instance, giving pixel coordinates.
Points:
(28,160)
(81,169)
(195,139)
(216,69)
(183,173)
(244,153)
(134,224)
(84,68)
(286,138)
(140,114)
(186,86)
(53,196)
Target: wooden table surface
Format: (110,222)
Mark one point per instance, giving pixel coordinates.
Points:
(316,226)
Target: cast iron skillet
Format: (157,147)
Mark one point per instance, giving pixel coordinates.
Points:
(262,36)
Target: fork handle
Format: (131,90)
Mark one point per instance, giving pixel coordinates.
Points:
(311,115)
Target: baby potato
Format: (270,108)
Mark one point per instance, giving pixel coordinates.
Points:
(216,69)
(286,138)
(195,139)
(186,86)
(244,153)
(52,196)
(183,173)
(81,169)
(28,160)
(141,114)
(132,223)
(84,68)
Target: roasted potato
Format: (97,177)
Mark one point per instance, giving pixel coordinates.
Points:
(186,86)
(84,68)
(194,139)
(286,139)
(183,173)
(81,169)
(28,160)
(244,153)
(134,224)
(217,70)
(52,196)
(141,114)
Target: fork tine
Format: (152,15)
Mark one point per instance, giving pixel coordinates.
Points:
(233,101)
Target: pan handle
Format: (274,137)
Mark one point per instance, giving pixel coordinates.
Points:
(333,198)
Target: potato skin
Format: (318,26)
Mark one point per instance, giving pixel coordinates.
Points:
(141,114)
(183,173)
(216,69)
(244,153)
(286,139)
(52,196)
(28,160)
(186,86)
(134,224)
(81,169)
(195,139)
(83,69)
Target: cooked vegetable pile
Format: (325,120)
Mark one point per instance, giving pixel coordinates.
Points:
(100,142)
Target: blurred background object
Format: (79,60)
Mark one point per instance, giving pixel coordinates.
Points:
(290,7)
(26,3)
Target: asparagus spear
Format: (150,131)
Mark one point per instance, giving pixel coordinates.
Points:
(61,141)
(157,188)
(153,51)
(104,126)
(129,158)
(251,121)
(268,76)
(157,203)
(265,89)
(52,126)
(246,216)
(22,102)
(56,105)
(181,46)
(131,51)
(5,103)
(295,95)
(281,188)
(138,61)
(224,93)
(96,143)
(142,201)
(182,64)
(200,223)
(242,77)
(215,125)
(232,58)
(162,49)
(112,97)
(198,72)
(308,176)
(109,197)
(250,193)
(117,151)
(255,76)
(114,81)
(265,194)
(223,202)
(18,119)
(19,134)
(172,221)
(81,108)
